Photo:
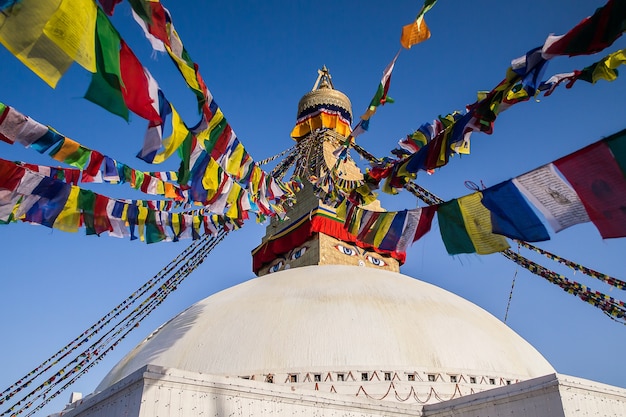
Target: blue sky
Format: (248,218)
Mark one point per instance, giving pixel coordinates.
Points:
(258,59)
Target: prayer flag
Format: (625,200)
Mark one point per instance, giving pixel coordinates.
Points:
(72,28)
(592,34)
(511,216)
(15,127)
(174,141)
(554,198)
(600,184)
(414,33)
(48,140)
(22,33)
(380,98)
(136,88)
(605,69)
(69,218)
(8,201)
(465,226)
(52,197)
(10,175)
(105,88)
(417,31)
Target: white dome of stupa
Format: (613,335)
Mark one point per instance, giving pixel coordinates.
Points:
(336,318)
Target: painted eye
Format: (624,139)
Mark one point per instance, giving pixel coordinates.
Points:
(376,261)
(298,253)
(346,251)
(275,268)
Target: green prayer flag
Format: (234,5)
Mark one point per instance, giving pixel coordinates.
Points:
(153,232)
(215,135)
(86,204)
(452,228)
(184,152)
(79,158)
(139,178)
(105,88)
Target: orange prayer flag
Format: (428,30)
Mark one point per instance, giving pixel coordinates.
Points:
(414,33)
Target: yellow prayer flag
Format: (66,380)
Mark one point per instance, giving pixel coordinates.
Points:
(189,73)
(22,33)
(160,187)
(234,160)
(217,118)
(232,202)
(68,147)
(382,227)
(477,220)
(212,178)
(173,142)
(73,29)
(142,215)
(414,33)
(69,218)
(255,179)
(606,69)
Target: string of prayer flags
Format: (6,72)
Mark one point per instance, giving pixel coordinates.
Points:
(388,230)
(598,180)
(36,198)
(511,216)
(617,283)
(521,82)
(465,226)
(611,306)
(604,69)
(381,97)
(553,197)
(592,34)
(158,27)
(93,166)
(417,31)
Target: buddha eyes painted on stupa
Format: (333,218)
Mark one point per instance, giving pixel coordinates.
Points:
(297,253)
(284,262)
(362,254)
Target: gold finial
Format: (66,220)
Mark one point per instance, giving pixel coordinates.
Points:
(324,80)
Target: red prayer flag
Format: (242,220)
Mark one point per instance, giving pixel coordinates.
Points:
(425,222)
(598,180)
(158,26)
(92,170)
(10,175)
(592,34)
(135,89)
